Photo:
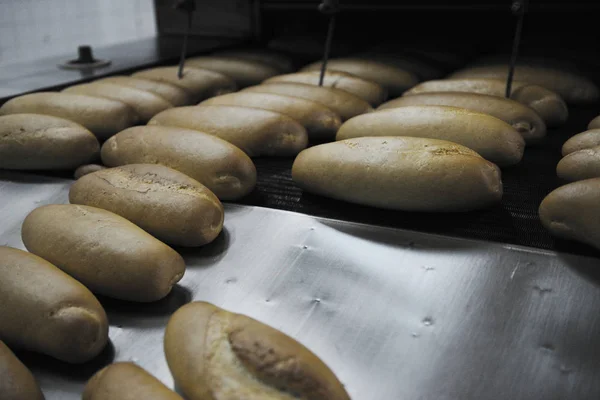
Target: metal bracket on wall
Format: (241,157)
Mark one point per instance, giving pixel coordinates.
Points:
(331,8)
(518,7)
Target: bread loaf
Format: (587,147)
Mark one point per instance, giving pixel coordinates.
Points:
(105,252)
(367,90)
(320,122)
(573,212)
(275,59)
(145,104)
(583,140)
(126,381)
(257,132)
(579,165)
(343,103)
(87,169)
(520,117)
(46,311)
(183,211)
(171,93)
(103,117)
(220,166)
(549,105)
(400,173)
(243,72)
(199,83)
(395,80)
(42,142)
(215,354)
(423,69)
(491,137)
(595,123)
(17,382)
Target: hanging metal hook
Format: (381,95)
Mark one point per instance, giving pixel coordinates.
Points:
(187,6)
(518,8)
(331,8)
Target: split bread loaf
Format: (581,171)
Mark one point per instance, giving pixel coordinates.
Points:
(17,382)
(344,103)
(169,205)
(579,165)
(215,354)
(572,87)
(490,137)
(145,104)
(573,212)
(107,253)
(522,118)
(548,104)
(395,80)
(257,132)
(400,173)
(126,381)
(369,91)
(199,83)
(46,311)
(583,140)
(103,117)
(595,123)
(42,142)
(243,72)
(175,95)
(273,58)
(220,166)
(320,122)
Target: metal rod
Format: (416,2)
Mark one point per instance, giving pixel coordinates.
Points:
(518,7)
(327,48)
(185,45)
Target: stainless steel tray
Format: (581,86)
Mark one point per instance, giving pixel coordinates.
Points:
(396,314)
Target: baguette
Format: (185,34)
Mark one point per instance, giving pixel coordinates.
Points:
(220,166)
(184,212)
(367,90)
(103,117)
(126,381)
(549,105)
(320,122)
(215,354)
(580,165)
(257,132)
(243,72)
(400,173)
(343,103)
(275,59)
(491,137)
(105,252)
(46,311)
(171,93)
(87,169)
(145,104)
(42,142)
(424,70)
(572,87)
(17,382)
(595,123)
(520,117)
(573,212)
(583,140)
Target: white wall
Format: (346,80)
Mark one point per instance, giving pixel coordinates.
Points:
(31,29)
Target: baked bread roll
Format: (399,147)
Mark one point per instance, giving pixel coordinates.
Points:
(273,58)
(395,80)
(369,91)
(572,87)
(42,142)
(424,70)
(87,169)
(105,252)
(520,117)
(184,212)
(490,137)
(145,104)
(199,83)
(579,165)
(583,140)
(126,381)
(243,72)
(17,382)
(257,132)
(341,102)
(549,105)
(573,212)
(400,173)
(103,117)
(46,311)
(595,123)
(215,354)
(220,166)
(320,122)
(171,93)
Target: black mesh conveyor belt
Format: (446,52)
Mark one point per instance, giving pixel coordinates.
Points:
(514,221)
